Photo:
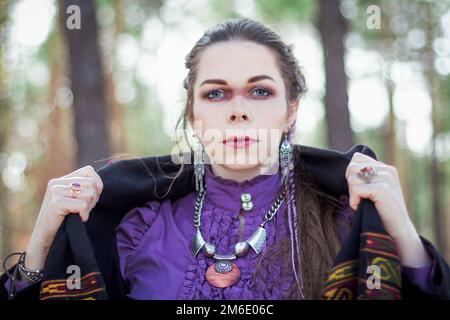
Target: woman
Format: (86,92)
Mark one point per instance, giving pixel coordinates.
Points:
(256,226)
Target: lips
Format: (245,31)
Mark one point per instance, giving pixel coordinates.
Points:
(239,142)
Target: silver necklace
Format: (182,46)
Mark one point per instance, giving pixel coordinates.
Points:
(224,272)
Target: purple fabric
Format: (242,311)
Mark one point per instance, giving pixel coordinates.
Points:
(153,242)
(18,284)
(423,276)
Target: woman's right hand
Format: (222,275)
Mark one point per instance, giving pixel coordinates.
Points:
(58,203)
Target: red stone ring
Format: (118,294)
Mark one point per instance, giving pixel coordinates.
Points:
(75,189)
(367,173)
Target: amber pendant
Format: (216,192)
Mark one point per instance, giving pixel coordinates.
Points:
(222,274)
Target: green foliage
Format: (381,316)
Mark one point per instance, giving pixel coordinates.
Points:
(287,10)
(269,11)
(445,107)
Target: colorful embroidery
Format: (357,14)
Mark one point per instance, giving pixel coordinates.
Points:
(91,288)
(349,280)
(342,281)
(379,250)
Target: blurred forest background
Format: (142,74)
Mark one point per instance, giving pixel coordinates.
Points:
(74,97)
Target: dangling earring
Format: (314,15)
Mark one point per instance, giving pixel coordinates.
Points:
(287,166)
(286,158)
(199,165)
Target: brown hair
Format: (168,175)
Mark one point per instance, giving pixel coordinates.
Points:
(318,241)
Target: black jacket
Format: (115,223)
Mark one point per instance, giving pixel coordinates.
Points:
(131,183)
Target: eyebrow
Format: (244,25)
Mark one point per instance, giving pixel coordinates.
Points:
(250,80)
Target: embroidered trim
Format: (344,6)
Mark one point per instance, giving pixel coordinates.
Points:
(345,282)
(91,288)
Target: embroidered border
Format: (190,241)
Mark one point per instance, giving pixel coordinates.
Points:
(380,250)
(91,288)
(342,281)
(345,283)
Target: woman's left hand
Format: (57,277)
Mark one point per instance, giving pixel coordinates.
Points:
(385,191)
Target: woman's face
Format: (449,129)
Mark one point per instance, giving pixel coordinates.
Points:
(239,92)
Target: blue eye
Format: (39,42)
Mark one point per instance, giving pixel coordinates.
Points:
(213,94)
(265,92)
(218,94)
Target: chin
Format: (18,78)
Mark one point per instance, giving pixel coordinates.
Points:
(240,159)
(241,166)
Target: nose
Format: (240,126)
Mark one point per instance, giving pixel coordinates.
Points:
(238,114)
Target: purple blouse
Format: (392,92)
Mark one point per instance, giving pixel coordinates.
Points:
(153,243)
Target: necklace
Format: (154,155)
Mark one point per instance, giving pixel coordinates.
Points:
(224,272)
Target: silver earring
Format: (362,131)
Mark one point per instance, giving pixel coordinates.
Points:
(199,166)
(286,158)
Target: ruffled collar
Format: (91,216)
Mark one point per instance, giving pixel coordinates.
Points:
(226,193)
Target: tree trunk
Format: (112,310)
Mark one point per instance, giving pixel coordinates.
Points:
(88,85)
(332,27)
(436,174)
(116,114)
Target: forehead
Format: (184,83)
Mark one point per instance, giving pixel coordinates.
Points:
(236,61)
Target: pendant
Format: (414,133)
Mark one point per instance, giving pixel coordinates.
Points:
(197,243)
(258,240)
(222,274)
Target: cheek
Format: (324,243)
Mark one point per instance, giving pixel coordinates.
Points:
(273,115)
(203,115)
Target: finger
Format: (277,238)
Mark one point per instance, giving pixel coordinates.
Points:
(381,176)
(87,193)
(358,156)
(373,192)
(67,205)
(85,182)
(393,171)
(362,158)
(87,171)
(84,214)
(73,205)
(354,167)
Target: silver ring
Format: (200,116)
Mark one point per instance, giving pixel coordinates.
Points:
(367,173)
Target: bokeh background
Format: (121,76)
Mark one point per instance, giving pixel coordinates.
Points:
(377,74)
